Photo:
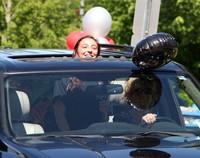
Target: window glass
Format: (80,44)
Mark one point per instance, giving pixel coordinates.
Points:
(187,97)
(73,101)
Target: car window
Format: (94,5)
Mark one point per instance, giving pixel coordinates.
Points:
(187,97)
(100,99)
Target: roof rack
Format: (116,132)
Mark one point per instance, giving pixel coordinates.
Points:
(126,48)
(116,50)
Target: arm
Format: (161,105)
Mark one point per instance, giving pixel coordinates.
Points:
(59,111)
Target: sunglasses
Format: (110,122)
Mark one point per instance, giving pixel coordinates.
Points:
(142,91)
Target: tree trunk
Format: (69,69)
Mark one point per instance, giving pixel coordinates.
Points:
(7,7)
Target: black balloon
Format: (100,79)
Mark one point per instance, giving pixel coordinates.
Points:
(155,51)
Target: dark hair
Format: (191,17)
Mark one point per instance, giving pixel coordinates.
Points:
(87,36)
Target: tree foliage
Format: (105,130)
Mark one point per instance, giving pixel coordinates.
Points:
(122,12)
(41,23)
(45,24)
(181,18)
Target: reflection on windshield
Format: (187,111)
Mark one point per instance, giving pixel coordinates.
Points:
(77,101)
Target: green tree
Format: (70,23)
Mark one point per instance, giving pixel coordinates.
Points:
(181,18)
(41,23)
(45,24)
(122,12)
(177,17)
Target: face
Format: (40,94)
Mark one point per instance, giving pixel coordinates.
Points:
(141,96)
(87,48)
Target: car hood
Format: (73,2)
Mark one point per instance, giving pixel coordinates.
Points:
(118,147)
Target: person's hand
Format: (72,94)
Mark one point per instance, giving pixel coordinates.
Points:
(149,118)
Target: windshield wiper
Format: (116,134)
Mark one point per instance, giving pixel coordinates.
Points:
(161,133)
(73,135)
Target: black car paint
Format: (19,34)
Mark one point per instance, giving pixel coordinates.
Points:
(64,146)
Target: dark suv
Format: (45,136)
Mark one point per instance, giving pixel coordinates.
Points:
(102,119)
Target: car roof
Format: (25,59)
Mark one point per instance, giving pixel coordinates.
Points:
(26,60)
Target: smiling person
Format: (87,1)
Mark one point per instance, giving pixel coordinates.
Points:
(87,46)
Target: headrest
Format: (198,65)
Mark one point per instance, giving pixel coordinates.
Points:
(19,105)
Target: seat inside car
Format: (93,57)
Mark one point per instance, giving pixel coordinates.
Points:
(20,109)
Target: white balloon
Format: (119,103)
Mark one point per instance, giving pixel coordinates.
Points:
(102,40)
(97,22)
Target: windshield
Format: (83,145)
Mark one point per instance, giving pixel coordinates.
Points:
(101,103)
